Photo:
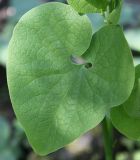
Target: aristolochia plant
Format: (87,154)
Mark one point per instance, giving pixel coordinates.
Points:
(64,80)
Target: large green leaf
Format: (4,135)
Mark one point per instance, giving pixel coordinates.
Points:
(129,123)
(55,99)
(46,95)
(82,6)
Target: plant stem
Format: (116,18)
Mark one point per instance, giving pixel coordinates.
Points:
(108,138)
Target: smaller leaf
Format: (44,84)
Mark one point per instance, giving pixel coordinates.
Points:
(114,16)
(82,6)
(102,4)
(129,123)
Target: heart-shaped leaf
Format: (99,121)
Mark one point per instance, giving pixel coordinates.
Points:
(129,123)
(55,99)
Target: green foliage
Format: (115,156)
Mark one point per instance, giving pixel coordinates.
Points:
(111,10)
(62,78)
(102,4)
(114,15)
(83,6)
(126,118)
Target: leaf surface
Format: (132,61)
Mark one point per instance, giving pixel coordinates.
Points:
(112,64)
(55,99)
(126,118)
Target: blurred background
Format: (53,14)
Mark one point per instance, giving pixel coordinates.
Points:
(13,142)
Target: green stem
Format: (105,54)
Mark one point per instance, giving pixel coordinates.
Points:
(107,134)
